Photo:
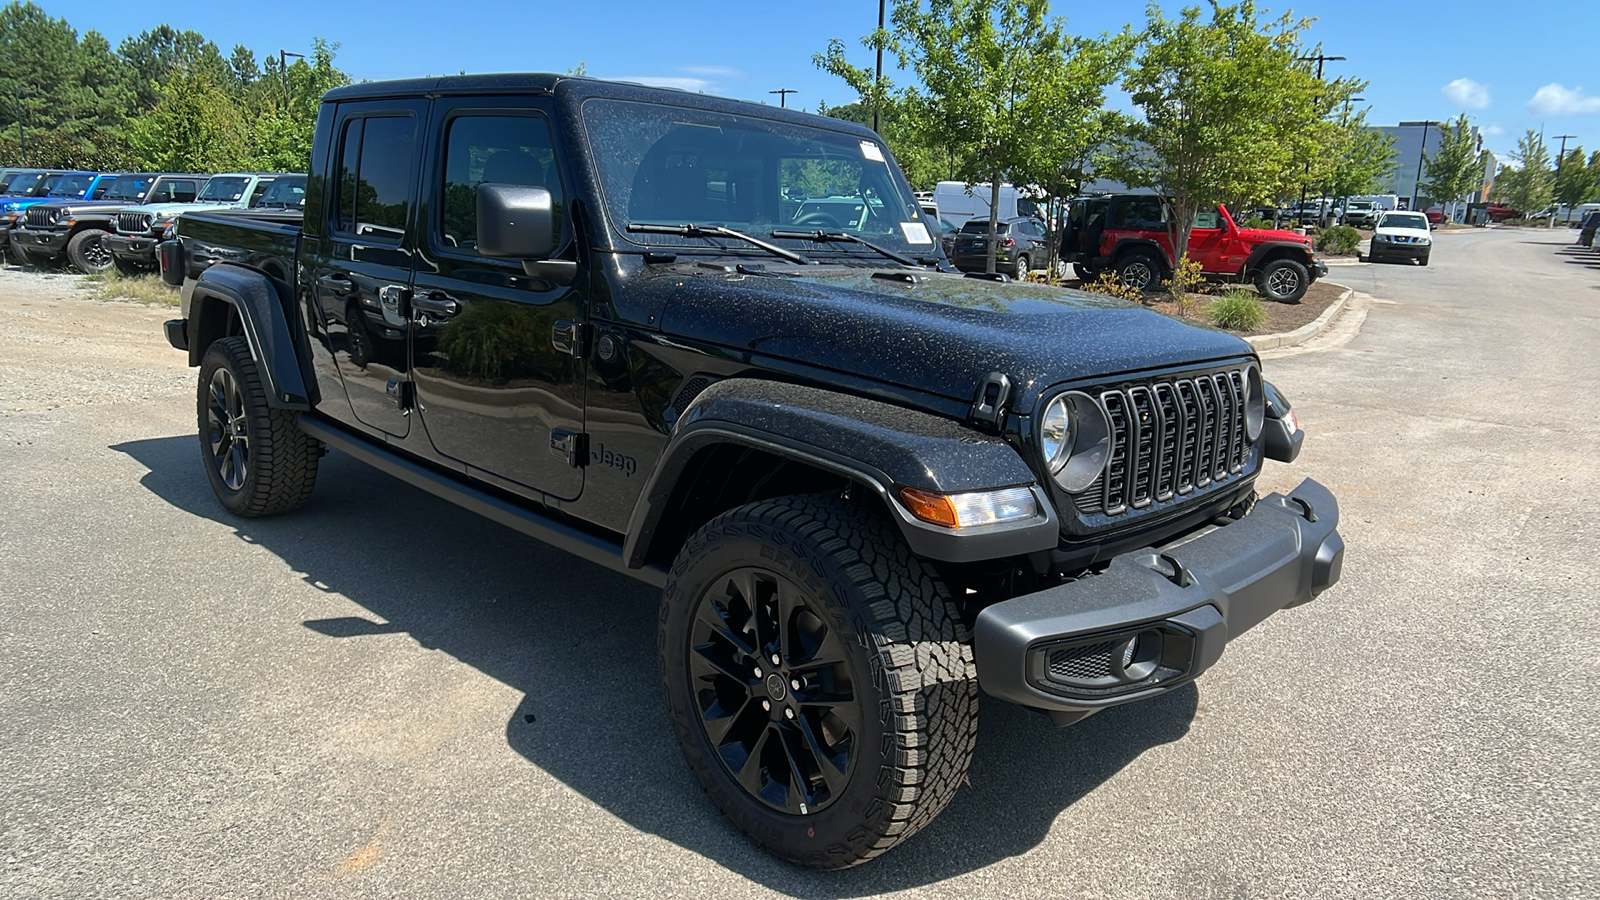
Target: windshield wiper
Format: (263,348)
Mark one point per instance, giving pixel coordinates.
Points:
(823,237)
(693,230)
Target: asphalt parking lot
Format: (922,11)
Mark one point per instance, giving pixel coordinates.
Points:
(385,696)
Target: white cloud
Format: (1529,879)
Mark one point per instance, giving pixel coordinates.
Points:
(715,71)
(1554,99)
(1493,130)
(668,81)
(1467,92)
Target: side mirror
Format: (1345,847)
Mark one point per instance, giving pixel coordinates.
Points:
(519,222)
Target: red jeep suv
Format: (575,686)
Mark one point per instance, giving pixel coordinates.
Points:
(1127,234)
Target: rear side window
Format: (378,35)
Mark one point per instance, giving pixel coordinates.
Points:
(493,150)
(1140,213)
(375,177)
(104,185)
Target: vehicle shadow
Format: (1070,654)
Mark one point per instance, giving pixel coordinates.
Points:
(578,642)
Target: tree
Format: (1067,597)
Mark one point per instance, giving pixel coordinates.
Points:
(1356,158)
(195,127)
(1529,188)
(60,84)
(1229,111)
(1006,83)
(153,56)
(1572,183)
(1455,170)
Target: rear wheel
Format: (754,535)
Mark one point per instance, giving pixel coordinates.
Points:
(88,251)
(1023,265)
(818,677)
(1083,272)
(1284,280)
(259,463)
(1139,269)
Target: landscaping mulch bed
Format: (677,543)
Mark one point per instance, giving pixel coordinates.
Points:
(1281,317)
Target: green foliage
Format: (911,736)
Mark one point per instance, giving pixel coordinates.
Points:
(1186,276)
(1573,182)
(1256,222)
(1237,310)
(1354,158)
(1527,187)
(1230,113)
(1110,285)
(1340,240)
(163,99)
(1455,169)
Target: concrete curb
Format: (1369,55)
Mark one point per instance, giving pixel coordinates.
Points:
(1304,332)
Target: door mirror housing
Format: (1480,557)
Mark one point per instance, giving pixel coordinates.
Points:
(518,222)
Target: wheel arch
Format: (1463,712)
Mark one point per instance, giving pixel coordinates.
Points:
(229,299)
(1125,246)
(1264,253)
(743,440)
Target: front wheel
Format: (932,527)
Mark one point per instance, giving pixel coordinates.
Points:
(127,268)
(259,463)
(1284,280)
(819,678)
(88,251)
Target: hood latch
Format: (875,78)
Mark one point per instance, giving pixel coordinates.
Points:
(989,408)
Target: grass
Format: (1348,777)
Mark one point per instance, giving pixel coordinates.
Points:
(1237,310)
(147,289)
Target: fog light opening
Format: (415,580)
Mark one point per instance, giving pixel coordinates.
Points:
(1139,655)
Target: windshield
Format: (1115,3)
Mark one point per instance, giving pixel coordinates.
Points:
(676,166)
(286,192)
(223,190)
(1360,204)
(1404,220)
(24,183)
(130,187)
(72,185)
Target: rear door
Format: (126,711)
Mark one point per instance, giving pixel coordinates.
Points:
(498,373)
(360,267)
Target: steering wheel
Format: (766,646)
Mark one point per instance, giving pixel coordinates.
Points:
(825,220)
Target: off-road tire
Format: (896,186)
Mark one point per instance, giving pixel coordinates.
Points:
(1283,280)
(1084,273)
(88,253)
(279,463)
(1139,268)
(907,655)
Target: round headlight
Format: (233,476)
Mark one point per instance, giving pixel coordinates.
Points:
(1075,439)
(1255,403)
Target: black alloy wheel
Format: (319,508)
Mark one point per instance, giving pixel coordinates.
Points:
(258,461)
(818,676)
(773,691)
(227,435)
(363,349)
(88,251)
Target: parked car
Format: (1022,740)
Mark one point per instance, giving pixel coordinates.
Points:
(1127,234)
(1499,213)
(865,487)
(1436,217)
(70,186)
(1401,235)
(139,228)
(1020,245)
(1361,213)
(287,191)
(31,182)
(77,229)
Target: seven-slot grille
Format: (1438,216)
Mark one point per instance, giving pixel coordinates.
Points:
(42,217)
(1169,438)
(133,223)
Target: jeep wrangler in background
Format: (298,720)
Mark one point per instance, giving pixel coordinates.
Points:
(77,229)
(140,228)
(1126,234)
(612,317)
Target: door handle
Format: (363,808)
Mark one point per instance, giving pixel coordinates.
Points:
(337,284)
(436,304)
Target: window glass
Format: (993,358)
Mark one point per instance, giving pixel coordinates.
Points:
(172,190)
(224,190)
(255,195)
(72,185)
(1141,212)
(24,183)
(287,192)
(493,150)
(103,186)
(130,187)
(1206,219)
(981,226)
(375,177)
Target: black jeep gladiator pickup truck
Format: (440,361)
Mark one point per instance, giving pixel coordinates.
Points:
(606,315)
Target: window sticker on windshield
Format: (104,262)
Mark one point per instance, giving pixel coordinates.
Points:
(915,232)
(872,151)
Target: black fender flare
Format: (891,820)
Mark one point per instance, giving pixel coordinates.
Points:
(1125,244)
(881,446)
(263,313)
(1260,251)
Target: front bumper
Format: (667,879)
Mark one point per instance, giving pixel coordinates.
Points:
(1319,269)
(40,243)
(1398,251)
(139,249)
(1158,617)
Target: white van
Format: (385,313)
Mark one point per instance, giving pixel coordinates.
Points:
(957,205)
(1389,202)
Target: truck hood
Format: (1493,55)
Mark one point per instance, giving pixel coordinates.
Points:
(159,210)
(77,206)
(940,333)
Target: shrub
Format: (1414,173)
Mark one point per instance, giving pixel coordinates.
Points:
(1340,240)
(1237,310)
(1186,276)
(1109,284)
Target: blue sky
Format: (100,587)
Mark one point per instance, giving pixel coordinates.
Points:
(1509,66)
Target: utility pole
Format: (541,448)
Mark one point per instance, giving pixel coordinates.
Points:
(283,70)
(1416,187)
(783,96)
(877,82)
(1300,213)
(1560,155)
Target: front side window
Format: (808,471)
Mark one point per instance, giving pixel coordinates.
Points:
(174,190)
(493,150)
(223,190)
(284,193)
(130,187)
(1207,219)
(674,166)
(375,177)
(102,186)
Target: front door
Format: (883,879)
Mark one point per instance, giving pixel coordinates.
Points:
(1208,241)
(361,266)
(496,389)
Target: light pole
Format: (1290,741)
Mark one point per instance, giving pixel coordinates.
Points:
(1416,186)
(1560,155)
(783,96)
(1344,202)
(283,70)
(877,82)
(1300,214)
